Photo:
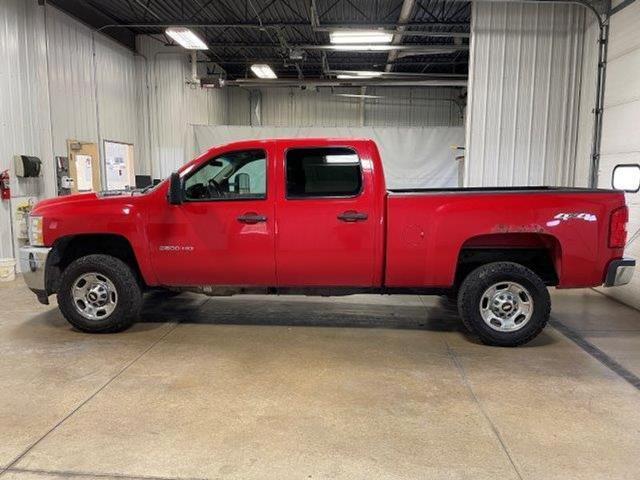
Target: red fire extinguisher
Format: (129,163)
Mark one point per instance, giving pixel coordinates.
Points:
(5,185)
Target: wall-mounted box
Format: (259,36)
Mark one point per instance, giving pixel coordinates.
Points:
(26,166)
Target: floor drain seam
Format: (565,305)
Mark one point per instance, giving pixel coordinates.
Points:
(494,429)
(596,353)
(87,400)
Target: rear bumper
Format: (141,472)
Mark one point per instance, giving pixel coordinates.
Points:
(33,261)
(620,272)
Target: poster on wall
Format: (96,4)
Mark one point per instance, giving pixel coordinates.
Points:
(118,162)
(84,171)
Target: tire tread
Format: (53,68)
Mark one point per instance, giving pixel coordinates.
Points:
(129,293)
(468,295)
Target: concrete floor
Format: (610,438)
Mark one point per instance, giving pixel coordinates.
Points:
(292,388)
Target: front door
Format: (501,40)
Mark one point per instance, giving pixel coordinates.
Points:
(326,226)
(223,233)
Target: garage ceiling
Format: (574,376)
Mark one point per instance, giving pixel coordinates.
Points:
(293,35)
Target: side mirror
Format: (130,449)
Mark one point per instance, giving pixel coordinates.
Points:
(175,189)
(626,177)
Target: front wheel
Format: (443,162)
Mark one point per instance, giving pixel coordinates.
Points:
(504,303)
(99,294)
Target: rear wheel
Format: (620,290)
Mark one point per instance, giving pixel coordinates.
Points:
(99,294)
(504,303)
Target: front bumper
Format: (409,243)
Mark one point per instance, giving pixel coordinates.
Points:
(33,261)
(620,272)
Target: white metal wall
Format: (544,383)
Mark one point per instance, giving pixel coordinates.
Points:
(586,116)
(24,101)
(524,93)
(171,105)
(405,107)
(621,128)
(238,106)
(285,107)
(71,80)
(53,88)
(93,98)
(290,107)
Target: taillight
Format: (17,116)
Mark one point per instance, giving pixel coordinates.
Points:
(618,227)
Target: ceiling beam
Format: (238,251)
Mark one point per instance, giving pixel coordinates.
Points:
(324,82)
(405,15)
(253,26)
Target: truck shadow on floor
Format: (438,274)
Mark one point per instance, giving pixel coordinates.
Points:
(299,311)
(436,315)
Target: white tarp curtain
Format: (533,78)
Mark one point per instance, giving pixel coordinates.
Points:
(413,157)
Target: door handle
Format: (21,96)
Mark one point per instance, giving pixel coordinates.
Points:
(251,218)
(352,216)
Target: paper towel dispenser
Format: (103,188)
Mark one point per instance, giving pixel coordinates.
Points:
(26,166)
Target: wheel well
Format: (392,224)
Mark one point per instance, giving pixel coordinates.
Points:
(538,252)
(537,260)
(67,249)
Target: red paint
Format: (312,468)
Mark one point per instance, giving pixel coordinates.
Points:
(408,239)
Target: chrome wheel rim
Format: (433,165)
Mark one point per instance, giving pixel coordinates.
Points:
(506,306)
(94,296)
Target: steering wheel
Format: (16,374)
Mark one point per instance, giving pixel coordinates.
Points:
(214,189)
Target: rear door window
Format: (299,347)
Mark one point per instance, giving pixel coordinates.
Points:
(323,172)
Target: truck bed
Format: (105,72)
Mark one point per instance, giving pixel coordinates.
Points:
(427,229)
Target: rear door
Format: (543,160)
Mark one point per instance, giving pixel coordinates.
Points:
(325,219)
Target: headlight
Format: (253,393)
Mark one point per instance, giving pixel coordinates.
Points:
(35,231)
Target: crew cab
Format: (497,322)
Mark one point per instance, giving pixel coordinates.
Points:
(314,217)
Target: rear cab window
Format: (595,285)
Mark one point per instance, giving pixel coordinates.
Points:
(322,172)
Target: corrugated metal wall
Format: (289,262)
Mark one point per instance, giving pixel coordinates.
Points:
(414,107)
(71,80)
(524,93)
(621,128)
(92,98)
(116,89)
(51,90)
(238,106)
(172,106)
(287,107)
(24,103)
(284,107)
(586,117)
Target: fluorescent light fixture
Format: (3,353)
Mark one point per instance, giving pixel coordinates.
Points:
(363,48)
(186,38)
(357,95)
(341,37)
(355,75)
(262,70)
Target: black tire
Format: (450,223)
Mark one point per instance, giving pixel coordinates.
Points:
(480,280)
(123,278)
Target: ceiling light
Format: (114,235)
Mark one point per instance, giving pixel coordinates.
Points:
(186,38)
(357,95)
(358,75)
(363,48)
(360,36)
(262,70)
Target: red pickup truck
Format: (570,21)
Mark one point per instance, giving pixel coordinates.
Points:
(314,217)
